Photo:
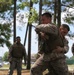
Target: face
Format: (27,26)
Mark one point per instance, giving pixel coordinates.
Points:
(18,40)
(45,20)
(63,31)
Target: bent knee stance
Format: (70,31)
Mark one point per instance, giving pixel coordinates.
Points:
(35,71)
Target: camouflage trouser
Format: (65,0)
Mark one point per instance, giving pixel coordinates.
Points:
(15,64)
(39,66)
(57,67)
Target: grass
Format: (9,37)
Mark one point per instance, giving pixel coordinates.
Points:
(7,66)
(70,67)
(4,70)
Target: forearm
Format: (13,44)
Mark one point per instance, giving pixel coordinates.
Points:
(48,29)
(61,49)
(65,49)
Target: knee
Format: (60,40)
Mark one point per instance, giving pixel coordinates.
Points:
(34,70)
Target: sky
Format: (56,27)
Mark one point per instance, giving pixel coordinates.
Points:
(20,31)
(34,44)
(70,40)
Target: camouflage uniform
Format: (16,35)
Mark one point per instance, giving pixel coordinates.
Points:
(54,55)
(58,65)
(59,61)
(16,54)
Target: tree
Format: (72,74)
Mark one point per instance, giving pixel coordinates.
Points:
(72,57)
(6,15)
(5,34)
(5,5)
(68,5)
(29,38)
(5,57)
(5,24)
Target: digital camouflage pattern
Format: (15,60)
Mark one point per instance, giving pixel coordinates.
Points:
(55,61)
(16,53)
(47,28)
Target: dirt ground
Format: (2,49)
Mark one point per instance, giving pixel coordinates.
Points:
(24,72)
(5,72)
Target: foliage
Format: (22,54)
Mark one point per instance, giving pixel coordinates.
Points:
(24,4)
(5,5)
(5,22)
(7,9)
(5,34)
(35,1)
(72,57)
(5,57)
(70,60)
(33,17)
(48,5)
(68,5)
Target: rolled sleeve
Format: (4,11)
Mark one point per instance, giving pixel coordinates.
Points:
(48,29)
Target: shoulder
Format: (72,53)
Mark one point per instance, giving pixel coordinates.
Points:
(22,45)
(53,26)
(49,26)
(13,45)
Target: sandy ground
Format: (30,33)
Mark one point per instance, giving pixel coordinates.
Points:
(5,72)
(24,72)
(27,72)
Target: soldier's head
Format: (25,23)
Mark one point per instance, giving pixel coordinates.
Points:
(64,29)
(18,39)
(46,18)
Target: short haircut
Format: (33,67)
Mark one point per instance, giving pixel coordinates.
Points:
(66,26)
(18,37)
(47,14)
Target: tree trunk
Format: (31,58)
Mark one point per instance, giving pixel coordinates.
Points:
(40,12)
(55,11)
(29,39)
(29,48)
(59,13)
(14,26)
